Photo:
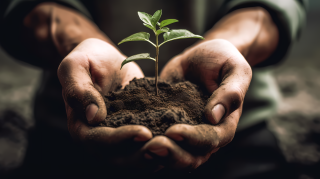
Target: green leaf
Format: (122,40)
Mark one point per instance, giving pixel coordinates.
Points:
(146,18)
(149,26)
(178,34)
(158,23)
(137,57)
(140,36)
(160,31)
(167,22)
(156,17)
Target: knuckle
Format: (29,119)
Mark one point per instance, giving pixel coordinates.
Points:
(228,135)
(74,60)
(71,95)
(247,70)
(78,97)
(63,69)
(227,140)
(236,97)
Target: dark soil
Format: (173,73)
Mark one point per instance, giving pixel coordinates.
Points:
(137,103)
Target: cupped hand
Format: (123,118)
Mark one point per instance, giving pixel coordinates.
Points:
(89,71)
(224,72)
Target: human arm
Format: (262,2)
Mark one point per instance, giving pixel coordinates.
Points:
(251,30)
(86,72)
(215,65)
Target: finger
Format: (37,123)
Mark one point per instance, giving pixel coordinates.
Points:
(117,146)
(122,140)
(236,77)
(123,143)
(78,90)
(114,136)
(198,140)
(173,72)
(204,139)
(166,152)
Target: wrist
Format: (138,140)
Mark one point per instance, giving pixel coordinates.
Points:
(251,30)
(69,28)
(51,31)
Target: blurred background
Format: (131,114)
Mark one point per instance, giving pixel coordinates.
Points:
(297,124)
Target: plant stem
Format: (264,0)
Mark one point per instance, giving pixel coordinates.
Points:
(156,64)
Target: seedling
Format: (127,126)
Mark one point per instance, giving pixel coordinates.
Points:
(152,22)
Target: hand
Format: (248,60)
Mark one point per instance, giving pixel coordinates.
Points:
(91,70)
(222,67)
(224,72)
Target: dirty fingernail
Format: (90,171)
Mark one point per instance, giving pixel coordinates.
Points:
(91,112)
(159,151)
(217,113)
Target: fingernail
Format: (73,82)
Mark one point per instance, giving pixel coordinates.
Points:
(91,112)
(159,151)
(218,112)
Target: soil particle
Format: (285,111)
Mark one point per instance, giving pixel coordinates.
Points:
(137,103)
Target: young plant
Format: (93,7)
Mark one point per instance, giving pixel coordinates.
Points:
(152,22)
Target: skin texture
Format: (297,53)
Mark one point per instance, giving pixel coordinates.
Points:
(222,63)
(91,67)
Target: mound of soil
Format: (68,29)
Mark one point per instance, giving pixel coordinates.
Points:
(137,103)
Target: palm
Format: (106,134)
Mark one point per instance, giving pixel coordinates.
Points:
(89,71)
(220,67)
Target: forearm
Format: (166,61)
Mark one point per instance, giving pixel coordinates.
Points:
(51,31)
(251,30)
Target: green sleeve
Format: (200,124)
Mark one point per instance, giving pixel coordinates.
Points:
(288,15)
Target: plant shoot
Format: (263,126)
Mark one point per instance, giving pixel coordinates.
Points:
(152,22)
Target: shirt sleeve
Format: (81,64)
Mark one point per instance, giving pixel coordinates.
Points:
(288,15)
(11,22)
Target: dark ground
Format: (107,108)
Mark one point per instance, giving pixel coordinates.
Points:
(297,124)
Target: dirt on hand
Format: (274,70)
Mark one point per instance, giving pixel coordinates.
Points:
(138,104)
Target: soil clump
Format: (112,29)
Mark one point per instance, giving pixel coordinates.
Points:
(137,104)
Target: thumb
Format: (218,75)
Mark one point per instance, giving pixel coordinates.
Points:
(91,112)
(82,99)
(229,96)
(223,102)
(217,113)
